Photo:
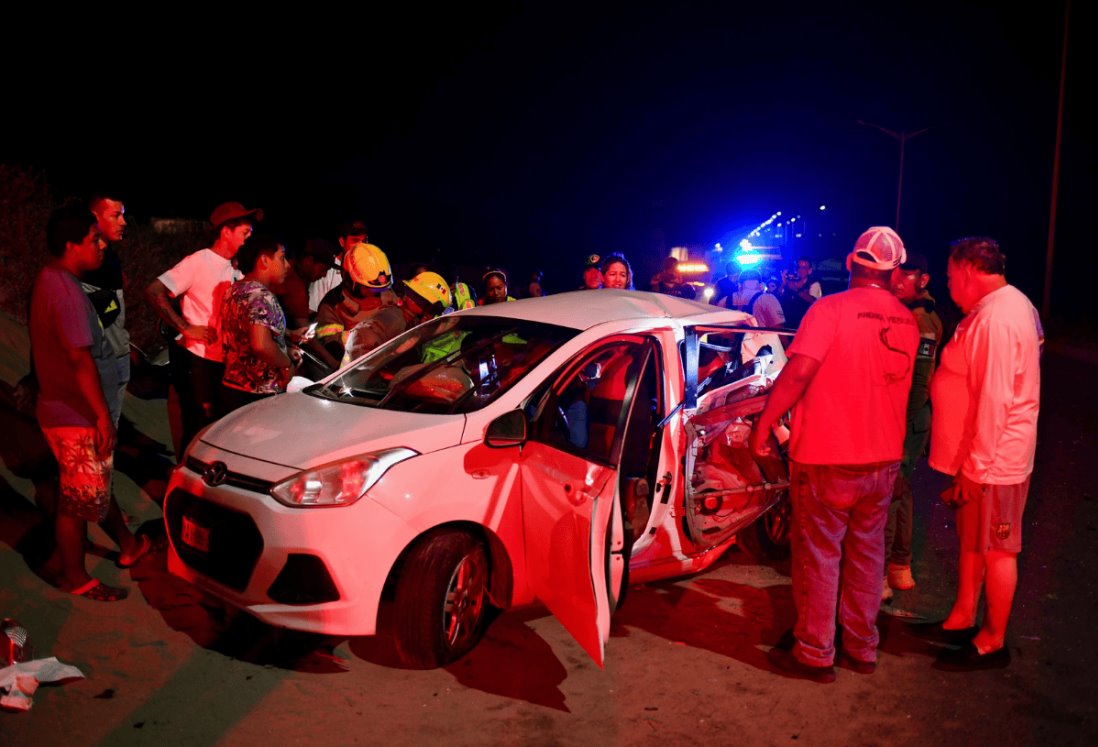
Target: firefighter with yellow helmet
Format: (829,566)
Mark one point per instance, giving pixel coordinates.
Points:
(364,299)
(426,296)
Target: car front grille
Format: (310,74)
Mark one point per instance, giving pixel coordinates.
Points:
(234,479)
(232,541)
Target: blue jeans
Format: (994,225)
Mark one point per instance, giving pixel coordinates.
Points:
(839,513)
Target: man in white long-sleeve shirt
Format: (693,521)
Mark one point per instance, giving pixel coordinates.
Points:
(986,397)
(350,234)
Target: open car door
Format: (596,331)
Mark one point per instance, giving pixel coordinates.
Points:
(571,505)
(567,504)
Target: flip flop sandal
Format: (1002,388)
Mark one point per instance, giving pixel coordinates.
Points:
(98,591)
(144,545)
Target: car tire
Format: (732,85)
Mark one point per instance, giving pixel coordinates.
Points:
(441,606)
(768,537)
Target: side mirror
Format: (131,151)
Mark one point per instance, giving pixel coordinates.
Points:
(509,429)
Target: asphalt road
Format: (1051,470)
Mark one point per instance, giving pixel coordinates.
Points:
(685,664)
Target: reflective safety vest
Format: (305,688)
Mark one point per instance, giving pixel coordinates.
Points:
(441,346)
(463,297)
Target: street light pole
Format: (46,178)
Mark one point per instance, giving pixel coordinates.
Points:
(1046,300)
(903,137)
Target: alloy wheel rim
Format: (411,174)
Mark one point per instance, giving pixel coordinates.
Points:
(465,597)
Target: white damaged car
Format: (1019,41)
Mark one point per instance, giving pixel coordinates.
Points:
(547,450)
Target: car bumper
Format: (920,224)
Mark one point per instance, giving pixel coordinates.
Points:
(319,570)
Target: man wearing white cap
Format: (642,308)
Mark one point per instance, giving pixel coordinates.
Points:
(847,381)
(201,280)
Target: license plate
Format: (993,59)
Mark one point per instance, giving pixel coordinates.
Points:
(195,535)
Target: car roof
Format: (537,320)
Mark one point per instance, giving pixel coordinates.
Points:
(585,309)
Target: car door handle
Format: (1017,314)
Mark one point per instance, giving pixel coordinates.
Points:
(575,497)
(663,487)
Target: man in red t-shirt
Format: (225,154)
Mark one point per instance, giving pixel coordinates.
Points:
(847,381)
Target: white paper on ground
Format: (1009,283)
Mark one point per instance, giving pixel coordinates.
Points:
(19,681)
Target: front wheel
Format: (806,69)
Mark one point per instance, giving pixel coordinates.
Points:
(441,600)
(768,536)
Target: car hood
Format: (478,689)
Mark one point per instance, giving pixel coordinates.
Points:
(300,431)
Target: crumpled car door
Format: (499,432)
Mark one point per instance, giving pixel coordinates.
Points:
(727,488)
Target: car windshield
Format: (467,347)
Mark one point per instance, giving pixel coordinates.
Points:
(452,364)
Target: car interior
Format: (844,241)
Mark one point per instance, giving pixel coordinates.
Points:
(591,417)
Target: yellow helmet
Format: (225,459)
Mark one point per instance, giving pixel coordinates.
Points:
(432,288)
(367,265)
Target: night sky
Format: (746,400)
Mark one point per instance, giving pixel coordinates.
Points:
(529,134)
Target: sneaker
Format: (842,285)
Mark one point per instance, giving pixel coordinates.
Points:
(886,591)
(789,664)
(899,577)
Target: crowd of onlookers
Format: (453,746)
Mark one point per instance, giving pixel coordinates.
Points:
(246,316)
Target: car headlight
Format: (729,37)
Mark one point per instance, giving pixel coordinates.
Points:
(341,483)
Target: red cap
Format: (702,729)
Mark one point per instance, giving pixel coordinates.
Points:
(228,211)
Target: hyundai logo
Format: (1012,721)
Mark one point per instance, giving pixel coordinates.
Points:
(215,474)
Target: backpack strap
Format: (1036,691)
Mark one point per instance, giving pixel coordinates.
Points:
(750,307)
